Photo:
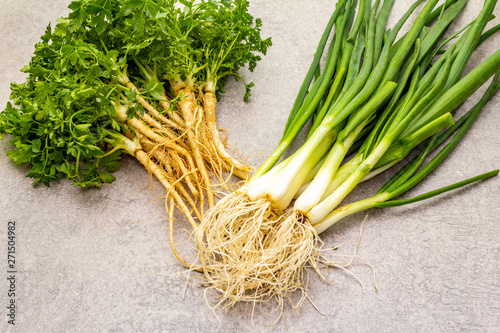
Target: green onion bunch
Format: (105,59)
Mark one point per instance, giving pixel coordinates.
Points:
(379,95)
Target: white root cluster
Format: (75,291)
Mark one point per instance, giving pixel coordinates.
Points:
(249,253)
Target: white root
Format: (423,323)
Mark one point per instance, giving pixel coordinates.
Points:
(251,254)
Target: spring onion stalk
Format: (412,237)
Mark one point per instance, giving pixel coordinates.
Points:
(408,177)
(314,67)
(404,146)
(283,188)
(442,106)
(317,189)
(305,106)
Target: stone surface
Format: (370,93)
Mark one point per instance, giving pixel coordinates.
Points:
(100,260)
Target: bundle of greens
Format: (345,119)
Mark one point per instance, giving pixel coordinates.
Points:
(139,77)
(375,100)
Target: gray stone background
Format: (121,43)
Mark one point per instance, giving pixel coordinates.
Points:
(100,260)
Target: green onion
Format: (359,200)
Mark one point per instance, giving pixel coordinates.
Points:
(408,177)
(397,94)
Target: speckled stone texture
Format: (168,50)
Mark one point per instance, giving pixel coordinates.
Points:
(100,260)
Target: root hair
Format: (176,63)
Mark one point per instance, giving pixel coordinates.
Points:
(251,254)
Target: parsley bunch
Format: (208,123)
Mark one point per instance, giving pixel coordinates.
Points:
(137,77)
(79,86)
